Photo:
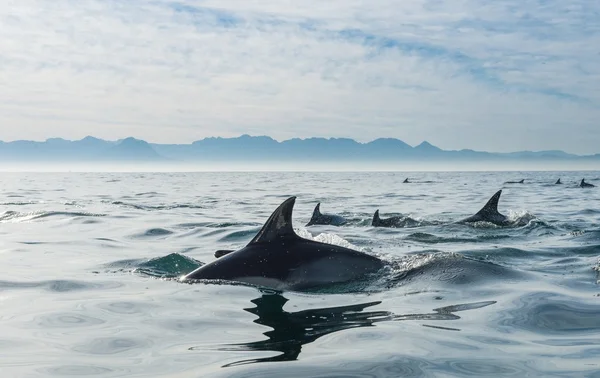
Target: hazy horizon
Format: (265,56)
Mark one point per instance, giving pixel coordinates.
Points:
(267,166)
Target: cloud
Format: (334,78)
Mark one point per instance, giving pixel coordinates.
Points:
(502,76)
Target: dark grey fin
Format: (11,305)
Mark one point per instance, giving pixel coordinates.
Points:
(376,218)
(405,181)
(491,207)
(558,182)
(223,252)
(522,181)
(582,182)
(316,215)
(279,224)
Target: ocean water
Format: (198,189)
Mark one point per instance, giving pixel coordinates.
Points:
(89,263)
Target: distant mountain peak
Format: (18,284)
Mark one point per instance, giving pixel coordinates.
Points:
(56,140)
(389,143)
(90,138)
(426,146)
(131,148)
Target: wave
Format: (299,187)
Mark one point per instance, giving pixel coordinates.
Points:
(15,216)
(18,203)
(155,207)
(426,238)
(59,286)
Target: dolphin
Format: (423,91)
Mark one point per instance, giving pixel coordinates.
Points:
(586,185)
(489,213)
(395,221)
(406,181)
(318,218)
(516,182)
(558,182)
(279,259)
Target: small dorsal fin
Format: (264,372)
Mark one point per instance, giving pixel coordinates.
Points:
(405,181)
(279,224)
(376,218)
(317,211)
(558,182)
(491,207)
(522,181)
(315,215)
(582,182)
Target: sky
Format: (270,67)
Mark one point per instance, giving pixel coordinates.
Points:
(502,75)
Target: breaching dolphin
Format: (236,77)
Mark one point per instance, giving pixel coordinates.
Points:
(586,185)
(277,258)
(489,213)
(516,182)
(319,218)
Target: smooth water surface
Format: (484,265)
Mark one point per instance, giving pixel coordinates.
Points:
(89,265)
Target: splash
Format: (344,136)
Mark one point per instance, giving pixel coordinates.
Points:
(520,217)
(327,238)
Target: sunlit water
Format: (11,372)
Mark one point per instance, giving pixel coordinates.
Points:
(87,264)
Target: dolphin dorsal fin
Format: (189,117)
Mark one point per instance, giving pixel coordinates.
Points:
(279,224)
(522,181)
(405,181)
(582,182)
(491,207)
(558,182)
(316,212)
(376,218)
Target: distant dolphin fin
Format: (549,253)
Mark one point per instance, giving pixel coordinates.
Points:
(491,207)
(376,218)
(316,215)
(522,181)
(223,252)
(279,224)
(558,182)
(405,181)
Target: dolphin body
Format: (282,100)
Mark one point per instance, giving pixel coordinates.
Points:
(586,185)
(516,182)
(329,219)
(489,213)
(279,259)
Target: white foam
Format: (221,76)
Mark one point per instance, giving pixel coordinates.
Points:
(520,217)
(327,238)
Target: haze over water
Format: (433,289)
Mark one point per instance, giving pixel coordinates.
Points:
(89,262)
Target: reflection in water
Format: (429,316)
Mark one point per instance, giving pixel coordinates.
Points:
(291,330)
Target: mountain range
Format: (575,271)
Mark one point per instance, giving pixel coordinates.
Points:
(257,148)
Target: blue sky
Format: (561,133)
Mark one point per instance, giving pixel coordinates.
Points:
(499,75)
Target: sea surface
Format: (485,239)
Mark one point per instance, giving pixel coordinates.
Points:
(90,262)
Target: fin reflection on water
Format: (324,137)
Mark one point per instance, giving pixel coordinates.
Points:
(291,330)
